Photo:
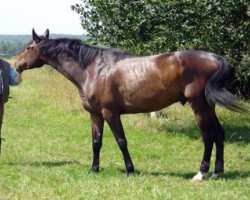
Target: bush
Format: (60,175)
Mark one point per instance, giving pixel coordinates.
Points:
(146,27)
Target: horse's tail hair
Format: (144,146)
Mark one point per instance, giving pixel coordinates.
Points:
(217,94)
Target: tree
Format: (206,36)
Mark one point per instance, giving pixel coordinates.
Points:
(153,26)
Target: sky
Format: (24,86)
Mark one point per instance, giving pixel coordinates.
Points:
(20,16)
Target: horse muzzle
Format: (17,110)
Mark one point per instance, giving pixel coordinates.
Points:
(19,69)
(18,78)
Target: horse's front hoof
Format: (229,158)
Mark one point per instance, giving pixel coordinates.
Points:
(200,176)
(217,175)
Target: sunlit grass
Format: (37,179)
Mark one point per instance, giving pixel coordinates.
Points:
(47,153)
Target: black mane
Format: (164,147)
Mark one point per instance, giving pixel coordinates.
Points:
(79,51)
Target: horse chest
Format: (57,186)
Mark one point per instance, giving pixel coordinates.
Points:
(94,92)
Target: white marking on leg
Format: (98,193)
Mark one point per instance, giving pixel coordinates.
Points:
(216,176)
(199,176)
(153,115)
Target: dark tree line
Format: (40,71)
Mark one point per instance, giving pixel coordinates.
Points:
(11,48)
(13,44)
(146,27)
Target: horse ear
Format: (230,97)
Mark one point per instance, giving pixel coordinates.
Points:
(35,37)
(46,34)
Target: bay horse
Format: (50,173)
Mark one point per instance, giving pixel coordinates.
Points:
(111,82)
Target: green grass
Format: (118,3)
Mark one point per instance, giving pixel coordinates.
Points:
(47,153)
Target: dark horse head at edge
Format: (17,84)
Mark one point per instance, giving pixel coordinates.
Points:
(111,83)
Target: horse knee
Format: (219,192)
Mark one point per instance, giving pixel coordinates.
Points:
(122,143)
(97,145)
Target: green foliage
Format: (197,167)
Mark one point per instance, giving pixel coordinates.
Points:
(153,26)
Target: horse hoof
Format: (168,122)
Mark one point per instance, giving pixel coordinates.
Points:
(199,176)
(217,175)
(130,168)
(95,169)
(130,171)
(130,174)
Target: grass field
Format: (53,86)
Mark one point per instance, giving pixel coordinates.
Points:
(47,153)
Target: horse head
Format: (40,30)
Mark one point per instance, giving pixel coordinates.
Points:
(31,57)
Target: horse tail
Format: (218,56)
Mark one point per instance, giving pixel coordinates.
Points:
(216,93)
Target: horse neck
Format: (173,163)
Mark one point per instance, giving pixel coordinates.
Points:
(70,69)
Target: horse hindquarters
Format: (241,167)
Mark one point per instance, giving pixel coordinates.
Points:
(203,101)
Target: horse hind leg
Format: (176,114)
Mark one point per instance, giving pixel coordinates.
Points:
(218,136)
(219,143)
(211,132)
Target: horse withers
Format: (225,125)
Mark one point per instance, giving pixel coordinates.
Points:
(111,83)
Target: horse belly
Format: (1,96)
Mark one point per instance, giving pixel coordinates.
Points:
(149,96)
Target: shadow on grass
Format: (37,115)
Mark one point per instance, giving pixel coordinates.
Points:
(239,134)
(46,164)
(233,175)
(55,164)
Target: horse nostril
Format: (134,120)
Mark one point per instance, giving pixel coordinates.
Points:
(19,70)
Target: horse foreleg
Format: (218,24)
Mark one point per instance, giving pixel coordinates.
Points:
(97,122)
(115,124)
